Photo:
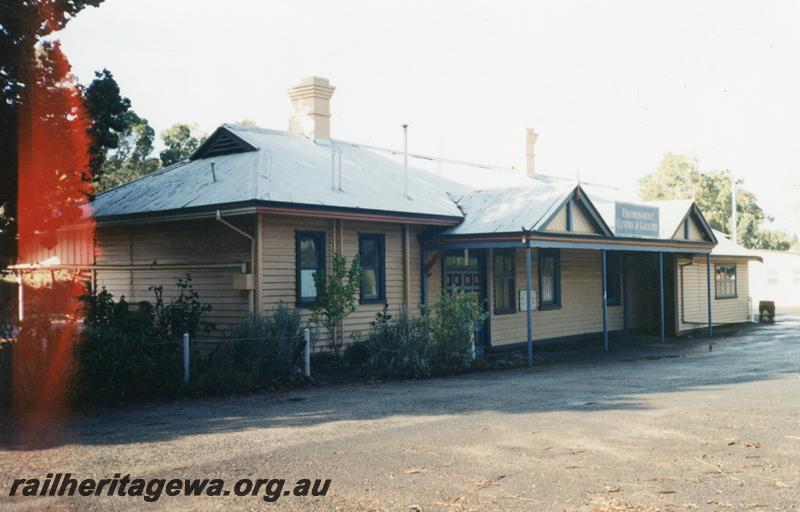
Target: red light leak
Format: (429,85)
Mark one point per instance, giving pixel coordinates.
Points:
(54,184)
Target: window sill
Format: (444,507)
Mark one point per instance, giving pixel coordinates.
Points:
(548,307)
(500,312)
(372,301)
(726,298)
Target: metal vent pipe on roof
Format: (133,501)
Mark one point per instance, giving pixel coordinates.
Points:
(340,170)
(213,174)
(333,167)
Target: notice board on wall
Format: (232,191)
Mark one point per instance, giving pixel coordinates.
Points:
(636,220)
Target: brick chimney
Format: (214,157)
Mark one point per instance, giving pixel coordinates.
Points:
(311,108)
(530,155)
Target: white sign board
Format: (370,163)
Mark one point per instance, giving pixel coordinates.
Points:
(523,300)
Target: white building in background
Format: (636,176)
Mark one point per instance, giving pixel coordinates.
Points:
(777,279)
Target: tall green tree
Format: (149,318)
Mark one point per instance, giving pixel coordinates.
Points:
(678,177)
(180,141)
(122,141)
(110,117)
(132,159)
(22,25)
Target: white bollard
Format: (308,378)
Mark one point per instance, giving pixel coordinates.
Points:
(307,352)
(186,358)
(472,343)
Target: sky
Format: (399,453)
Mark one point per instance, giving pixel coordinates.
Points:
(609,86)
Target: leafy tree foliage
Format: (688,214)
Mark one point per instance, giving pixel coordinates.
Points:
(22,24)
(110,117)
(121,140)
(678,177)
(180,141)
(52,153)
(132,158)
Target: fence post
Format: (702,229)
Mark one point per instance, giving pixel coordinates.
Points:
(307,352)
(472,342)
(186,358)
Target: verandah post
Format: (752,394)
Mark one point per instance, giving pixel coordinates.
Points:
(528,305)
(708,294)
(423,275)
(661,296)
(603,257)
(626,321)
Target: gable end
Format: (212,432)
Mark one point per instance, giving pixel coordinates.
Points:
(576,215)
(694,227)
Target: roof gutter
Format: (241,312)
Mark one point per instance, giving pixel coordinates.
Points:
(569,242)
(276,208)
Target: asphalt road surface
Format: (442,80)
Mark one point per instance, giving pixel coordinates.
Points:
(678,426)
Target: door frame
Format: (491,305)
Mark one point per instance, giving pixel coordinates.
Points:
(483,293)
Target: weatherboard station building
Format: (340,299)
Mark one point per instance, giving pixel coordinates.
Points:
(253,213)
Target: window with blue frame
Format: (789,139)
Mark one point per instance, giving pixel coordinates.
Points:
(613,278)
(372,253)
(309,259)
(725,281)
(505,290)
(549,279)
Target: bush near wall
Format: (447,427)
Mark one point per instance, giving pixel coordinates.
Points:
(122,355)
(262,352)
(439,341)
(130,354)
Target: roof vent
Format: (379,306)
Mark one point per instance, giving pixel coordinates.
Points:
(221,142)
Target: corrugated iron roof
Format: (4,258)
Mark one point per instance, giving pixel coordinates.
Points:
(726,247)
(293,169)
(288,168)
(512,209)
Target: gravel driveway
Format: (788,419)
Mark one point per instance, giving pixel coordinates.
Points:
(647,427)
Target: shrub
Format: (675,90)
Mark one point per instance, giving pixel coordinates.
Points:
(336,295)
(439,341)
(184,313)
(356,353)
(122,355)
(452,322)
(126,353)
(398,347)
(262,351)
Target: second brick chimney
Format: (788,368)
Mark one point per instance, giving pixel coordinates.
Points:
(530,155)
(311,108)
